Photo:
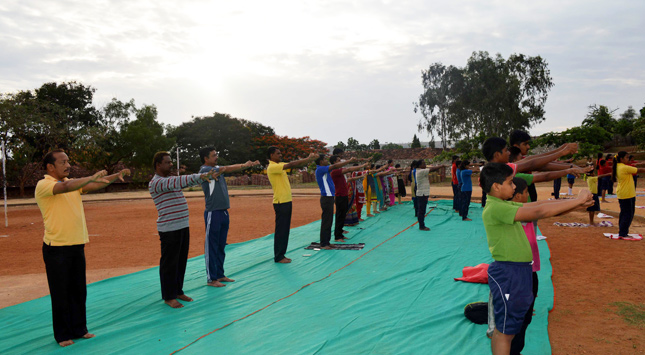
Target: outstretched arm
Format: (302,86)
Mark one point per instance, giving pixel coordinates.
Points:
(75,184)
(354,168)
(93,186)
(534,211)
(340,164)
(540,161)
(301,162)
(237,167)
(552,175)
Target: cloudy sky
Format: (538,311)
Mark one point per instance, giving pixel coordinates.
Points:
(321,68)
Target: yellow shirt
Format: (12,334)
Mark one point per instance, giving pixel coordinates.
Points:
(625,180)
(63,214)
(592,182)
(279,182)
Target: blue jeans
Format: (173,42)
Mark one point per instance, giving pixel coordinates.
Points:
(217,223)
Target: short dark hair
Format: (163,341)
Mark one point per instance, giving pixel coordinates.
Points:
(464,164)
(397,166)
(518,136)
(520,186)
(337,151)
(320,158)
(271,150)
(49,157)
(515,153)
(205,152)
(333,159)
(599,155)
(455,158)
(602,162)
(390,161)
(158,158)
(493,145)
(458,163)
(494,173)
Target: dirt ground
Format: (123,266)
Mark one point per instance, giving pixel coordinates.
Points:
(590,272)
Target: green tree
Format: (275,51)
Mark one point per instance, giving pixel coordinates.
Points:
(600,116)
(392,146)
(230,137)
(144,136)
(591,139)
(374,144)
(489,95)
(353,144)
(625,124)
(341,145)
(416,143)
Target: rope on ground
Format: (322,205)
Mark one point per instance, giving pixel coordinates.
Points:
(301,288)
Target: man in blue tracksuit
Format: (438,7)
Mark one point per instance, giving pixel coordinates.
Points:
(216,215)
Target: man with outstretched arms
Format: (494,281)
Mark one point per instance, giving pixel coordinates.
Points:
(172,225)
(282,199)
(216,214)
(59,201)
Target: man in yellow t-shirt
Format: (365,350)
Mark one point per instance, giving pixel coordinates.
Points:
(282,199)
(59,200)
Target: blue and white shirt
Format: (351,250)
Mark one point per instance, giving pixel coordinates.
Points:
(215,191)
(323,178)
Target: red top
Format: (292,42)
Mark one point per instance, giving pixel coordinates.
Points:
(453,171)
(339,182)
(604,169)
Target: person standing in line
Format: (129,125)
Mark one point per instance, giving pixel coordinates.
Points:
(216,214)
(60,203)
(276,172)
(626,191)
(341,198)
(423,191)
(454,183)
(172,225)
(466,189)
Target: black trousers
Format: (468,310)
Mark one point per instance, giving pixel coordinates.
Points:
(342,206)
(65,267)
(326,219)
(557,184)
(422,203)
(518,342)
(172,265)
(455,195)
(282,228)
(414,203)
(483,198)
(465,203)
(627,210)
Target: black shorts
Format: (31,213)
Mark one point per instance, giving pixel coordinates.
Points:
(571,180)
(596,204)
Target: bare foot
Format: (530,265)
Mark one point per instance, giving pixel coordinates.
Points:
(345,232)
(225,279)
(361,220)
(215,283)
(467,219)
(377,212)
(342,240)
(88,335)
(327,247)
(173,303)
(424,229)
(284,261)
(66,343)
(185,298)
(370,215)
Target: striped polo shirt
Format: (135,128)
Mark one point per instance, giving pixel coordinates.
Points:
(170,201)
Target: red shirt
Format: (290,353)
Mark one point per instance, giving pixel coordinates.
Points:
(340,183)
(453,171)
(604,169)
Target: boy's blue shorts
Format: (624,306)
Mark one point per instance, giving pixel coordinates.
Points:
(571,180)
(511,284)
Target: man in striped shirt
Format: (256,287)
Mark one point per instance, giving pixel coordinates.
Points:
(172,225)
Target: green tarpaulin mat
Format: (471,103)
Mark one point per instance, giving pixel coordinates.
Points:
(396,296)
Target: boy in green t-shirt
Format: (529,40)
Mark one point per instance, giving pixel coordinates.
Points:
(510,275)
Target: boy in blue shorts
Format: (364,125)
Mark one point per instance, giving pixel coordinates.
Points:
(510,275)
